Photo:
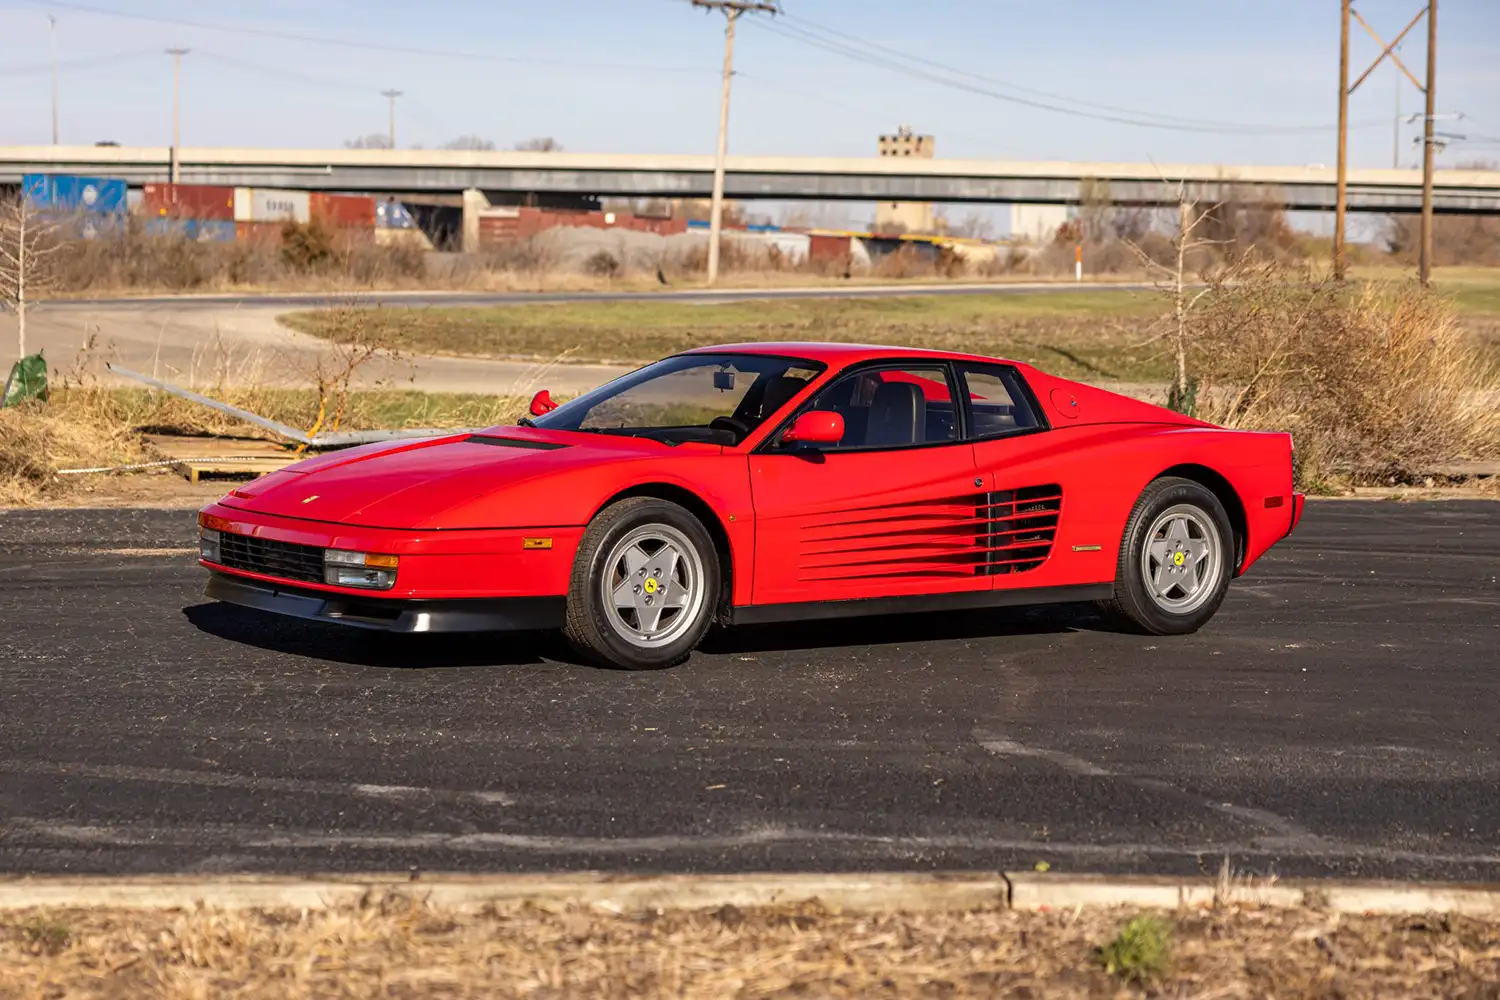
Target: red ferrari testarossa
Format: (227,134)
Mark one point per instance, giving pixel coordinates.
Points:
(760,483)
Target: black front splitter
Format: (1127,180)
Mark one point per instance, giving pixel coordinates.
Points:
(509,614)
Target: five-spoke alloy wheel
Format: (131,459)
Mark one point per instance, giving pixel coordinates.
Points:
(645,585)
(1176,559)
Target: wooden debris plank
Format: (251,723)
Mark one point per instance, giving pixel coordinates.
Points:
(194,456)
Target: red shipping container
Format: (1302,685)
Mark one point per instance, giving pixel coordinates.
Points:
(188,201)
(343,211)
(823,247)
(258,232)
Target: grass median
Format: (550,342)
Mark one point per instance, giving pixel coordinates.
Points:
(1093,335)
(393,946)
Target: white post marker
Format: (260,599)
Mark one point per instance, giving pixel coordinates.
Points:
(1078,262)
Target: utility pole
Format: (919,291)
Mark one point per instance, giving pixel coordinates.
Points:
(390,96)
(1341,198)
(1396,129)
(1424,263)
(1341,202)
(732,10)
(176,164)
(52,44)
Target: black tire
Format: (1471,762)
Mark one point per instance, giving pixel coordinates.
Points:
(603,634)
(1136,606)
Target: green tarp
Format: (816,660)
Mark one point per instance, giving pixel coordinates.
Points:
(28,380)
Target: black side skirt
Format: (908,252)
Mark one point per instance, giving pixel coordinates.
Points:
(512,614)
(759,614)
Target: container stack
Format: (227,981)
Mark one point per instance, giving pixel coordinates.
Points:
(191,211)
(85,205)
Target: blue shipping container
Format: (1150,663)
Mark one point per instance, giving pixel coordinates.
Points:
(72,194)
(391,214)
(199,230)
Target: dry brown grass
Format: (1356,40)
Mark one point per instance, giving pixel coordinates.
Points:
(1377,383)
(393,947)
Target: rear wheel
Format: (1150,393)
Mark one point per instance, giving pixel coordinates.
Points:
(645,585)
(1175,559)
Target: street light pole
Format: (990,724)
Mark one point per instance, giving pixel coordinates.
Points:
(52,44)
(176,166)
(391,95)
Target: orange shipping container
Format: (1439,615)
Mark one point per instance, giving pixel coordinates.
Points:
(344,211)
(188,201)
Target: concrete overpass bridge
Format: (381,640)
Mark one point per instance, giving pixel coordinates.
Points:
(451,172)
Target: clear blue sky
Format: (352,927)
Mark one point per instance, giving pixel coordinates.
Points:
(641,75)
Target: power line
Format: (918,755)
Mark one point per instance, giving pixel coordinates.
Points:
(89,62)
(1047,94)
(946,78)
(347,43)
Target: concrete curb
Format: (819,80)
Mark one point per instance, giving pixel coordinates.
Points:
(938,892)
(935,892)
(1032,891)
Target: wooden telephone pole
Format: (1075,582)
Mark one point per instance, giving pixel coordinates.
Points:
(732,10)
(1341,204)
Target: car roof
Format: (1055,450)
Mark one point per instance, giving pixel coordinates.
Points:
(841,355)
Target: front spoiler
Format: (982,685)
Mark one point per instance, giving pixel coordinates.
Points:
(510,614)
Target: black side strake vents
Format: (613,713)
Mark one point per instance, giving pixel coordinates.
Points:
(500,442)
(1021,527)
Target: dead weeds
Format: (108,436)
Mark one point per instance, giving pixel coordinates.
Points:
(395,947)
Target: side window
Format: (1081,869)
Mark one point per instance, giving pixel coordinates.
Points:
(997,403)
(891,408)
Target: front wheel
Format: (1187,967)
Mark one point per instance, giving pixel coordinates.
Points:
(645,585)
(1175,559)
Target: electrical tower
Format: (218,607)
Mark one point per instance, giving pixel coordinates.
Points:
(1341,205)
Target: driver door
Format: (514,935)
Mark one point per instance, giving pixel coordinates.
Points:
(889,511)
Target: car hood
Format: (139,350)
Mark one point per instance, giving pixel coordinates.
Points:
(410,484)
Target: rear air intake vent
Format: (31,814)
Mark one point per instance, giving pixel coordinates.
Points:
(1020,528)
(503,442)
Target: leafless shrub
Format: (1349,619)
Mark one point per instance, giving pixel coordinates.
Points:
(1376,383)
(1456,239)
(27,248)
(602,264)
(351,346)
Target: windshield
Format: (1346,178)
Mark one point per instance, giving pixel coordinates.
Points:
(712,398)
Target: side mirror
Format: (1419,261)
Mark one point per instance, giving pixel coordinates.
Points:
(815,427)
(542,403)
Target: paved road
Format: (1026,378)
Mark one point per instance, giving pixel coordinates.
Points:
(1339,716)
(204,347)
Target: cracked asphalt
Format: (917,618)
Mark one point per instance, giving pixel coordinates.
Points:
(1341,715)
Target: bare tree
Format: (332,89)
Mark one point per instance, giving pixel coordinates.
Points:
(469,142)
(375,140)
(540,144)
(26,241)
(1175,280)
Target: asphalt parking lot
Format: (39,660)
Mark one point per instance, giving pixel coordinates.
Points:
(1340,716)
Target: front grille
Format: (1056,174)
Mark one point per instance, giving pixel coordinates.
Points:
(286,560)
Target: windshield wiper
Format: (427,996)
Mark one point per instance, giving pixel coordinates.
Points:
(525,422)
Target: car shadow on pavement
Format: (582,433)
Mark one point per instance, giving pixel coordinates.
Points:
(889,629)
(366,648)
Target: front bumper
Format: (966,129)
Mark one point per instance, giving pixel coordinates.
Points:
(506,614)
